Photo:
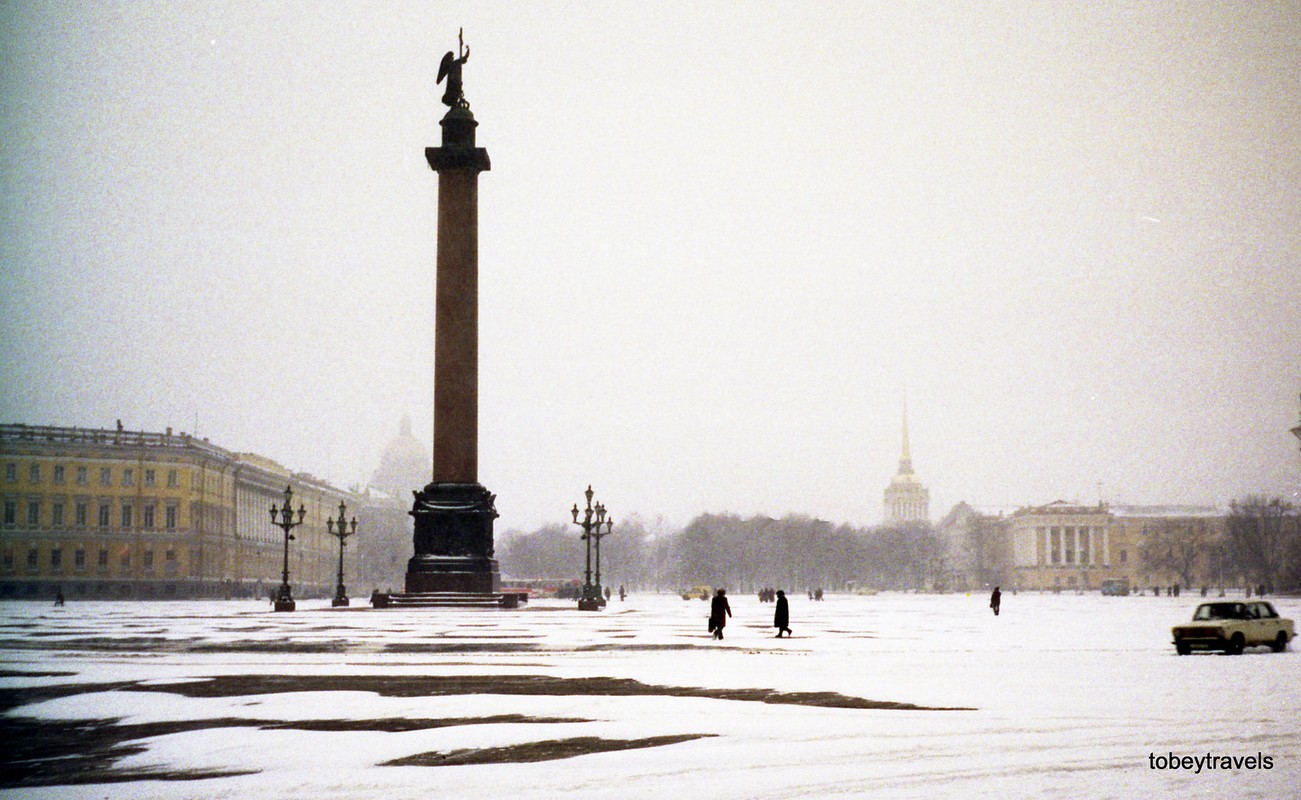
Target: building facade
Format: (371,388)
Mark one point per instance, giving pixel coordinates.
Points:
(1064,546)
(134,514)
(404,467)
(1174,545)
(906,498)
(977,549)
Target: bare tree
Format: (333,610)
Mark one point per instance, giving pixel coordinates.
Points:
(1177,547)
(1262,535)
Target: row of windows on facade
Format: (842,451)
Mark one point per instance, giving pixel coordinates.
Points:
(150,476)
(81,512)
(79,559)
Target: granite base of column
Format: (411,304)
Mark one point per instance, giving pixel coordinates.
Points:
(452,574)
(453,540)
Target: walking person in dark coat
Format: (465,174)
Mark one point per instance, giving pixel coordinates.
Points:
(781,619)
(719,611)
(995,600)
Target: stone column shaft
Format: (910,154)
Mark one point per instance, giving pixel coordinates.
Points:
(456,329)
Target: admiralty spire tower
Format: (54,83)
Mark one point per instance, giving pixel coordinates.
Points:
(906,498)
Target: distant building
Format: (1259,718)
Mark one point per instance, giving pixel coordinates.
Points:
(1064,545)
(1174,544)
(977,550)
(133,514)
(404,467)
(906,498)
(1072,546)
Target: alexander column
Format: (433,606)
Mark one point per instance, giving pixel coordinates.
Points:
(454,514)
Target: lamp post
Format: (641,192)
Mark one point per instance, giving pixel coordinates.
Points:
(593,519)
(284,519)
(343,532)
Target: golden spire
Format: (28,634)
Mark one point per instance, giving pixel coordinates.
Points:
(905,459)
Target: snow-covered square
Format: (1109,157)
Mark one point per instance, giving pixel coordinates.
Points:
(892,695)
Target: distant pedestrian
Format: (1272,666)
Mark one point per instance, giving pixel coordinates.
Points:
(995,600)
(719,611)
(58,597)
(781,619)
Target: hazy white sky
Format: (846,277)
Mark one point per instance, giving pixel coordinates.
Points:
(719,243)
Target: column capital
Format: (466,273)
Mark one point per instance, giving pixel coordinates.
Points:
(458,158)
(458,150)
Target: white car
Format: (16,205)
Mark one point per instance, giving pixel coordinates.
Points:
(1231,626)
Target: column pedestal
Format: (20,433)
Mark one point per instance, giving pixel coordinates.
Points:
(453,540)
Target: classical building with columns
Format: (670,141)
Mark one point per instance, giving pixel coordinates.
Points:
(1075,547)
(1064,546)
(906,498)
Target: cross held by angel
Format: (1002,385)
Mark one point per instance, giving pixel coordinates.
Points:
(450,68)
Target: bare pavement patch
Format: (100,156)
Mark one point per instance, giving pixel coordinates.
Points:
(424,686)
(62,752)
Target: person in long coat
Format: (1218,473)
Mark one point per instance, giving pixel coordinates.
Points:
(781,619)
(719,611)
(996,600)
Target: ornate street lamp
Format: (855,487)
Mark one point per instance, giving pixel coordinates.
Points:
(341,594)
(593,519)
(283,518)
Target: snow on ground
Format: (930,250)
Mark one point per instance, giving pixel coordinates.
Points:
(1064,696)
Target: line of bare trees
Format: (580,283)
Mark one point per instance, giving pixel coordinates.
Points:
(1259,544)
(795,552)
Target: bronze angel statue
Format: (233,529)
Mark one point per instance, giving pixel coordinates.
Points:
(450,68)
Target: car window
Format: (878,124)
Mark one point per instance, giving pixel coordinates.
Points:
(1220,611)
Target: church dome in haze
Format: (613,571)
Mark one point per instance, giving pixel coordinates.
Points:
(405,465)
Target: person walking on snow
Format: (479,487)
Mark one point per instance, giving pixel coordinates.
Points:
(781,619)
(995,600)
(719,611)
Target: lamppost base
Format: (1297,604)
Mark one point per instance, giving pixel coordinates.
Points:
(285,604)
(339,601)
(590,604)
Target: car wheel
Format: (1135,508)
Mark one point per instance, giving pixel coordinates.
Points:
(1182,649)
(1280,642)
(1236,644)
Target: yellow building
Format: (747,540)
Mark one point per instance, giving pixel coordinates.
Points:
(1066,546)
(1176,545)
(1076,547)
(118,514)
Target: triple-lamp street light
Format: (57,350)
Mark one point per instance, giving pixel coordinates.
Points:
(343,532)
(285,521)
(593,518)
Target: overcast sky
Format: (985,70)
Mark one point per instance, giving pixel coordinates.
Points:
(720,243)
